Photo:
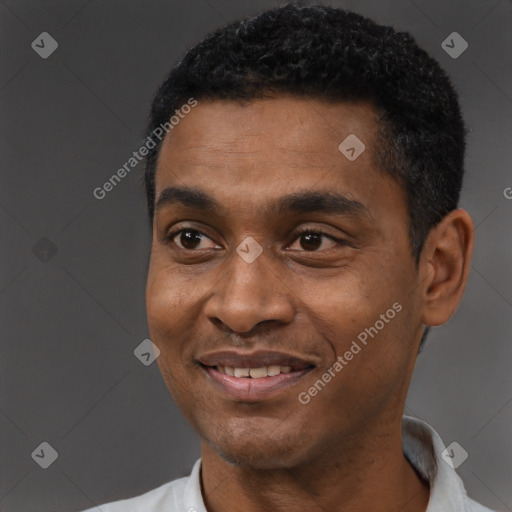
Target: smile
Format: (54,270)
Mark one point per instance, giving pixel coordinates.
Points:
(254,373)
(253,377)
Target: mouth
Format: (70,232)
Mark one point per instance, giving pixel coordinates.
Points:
(254,373)
(253,377)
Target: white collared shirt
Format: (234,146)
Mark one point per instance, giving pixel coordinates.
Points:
(421,445)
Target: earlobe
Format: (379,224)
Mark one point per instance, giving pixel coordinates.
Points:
(446,261)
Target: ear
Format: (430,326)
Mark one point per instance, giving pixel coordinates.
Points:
(445,263)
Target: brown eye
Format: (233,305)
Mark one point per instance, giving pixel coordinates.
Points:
(313,240)
(188,239)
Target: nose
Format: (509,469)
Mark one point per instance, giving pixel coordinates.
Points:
(249,294)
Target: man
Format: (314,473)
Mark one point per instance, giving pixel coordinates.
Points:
(305,234)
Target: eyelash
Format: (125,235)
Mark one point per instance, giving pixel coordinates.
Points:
(308,231)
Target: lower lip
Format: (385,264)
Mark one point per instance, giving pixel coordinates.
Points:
(248,389)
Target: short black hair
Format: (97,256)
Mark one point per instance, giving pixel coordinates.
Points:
(329,53)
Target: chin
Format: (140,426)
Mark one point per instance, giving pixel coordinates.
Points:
(257,457)
(255,448)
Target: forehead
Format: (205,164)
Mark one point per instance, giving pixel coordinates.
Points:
(244,154)
(307,130)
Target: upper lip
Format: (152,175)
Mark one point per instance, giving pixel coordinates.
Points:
(257,359)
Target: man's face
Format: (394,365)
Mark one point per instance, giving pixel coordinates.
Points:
(303,301)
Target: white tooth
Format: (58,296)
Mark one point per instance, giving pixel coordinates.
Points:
(273,370)
(286,369)
(258,373)
(229,370)
(241,372)
(221,369)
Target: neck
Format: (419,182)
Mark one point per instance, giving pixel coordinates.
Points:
(365,472)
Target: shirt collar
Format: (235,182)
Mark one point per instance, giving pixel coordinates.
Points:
(422,447)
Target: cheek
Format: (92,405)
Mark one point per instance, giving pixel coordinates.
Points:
(364,316)
(341,304)
(171,325)
(167,296)
(166,305)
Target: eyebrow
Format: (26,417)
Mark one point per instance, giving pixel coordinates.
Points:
(319,201)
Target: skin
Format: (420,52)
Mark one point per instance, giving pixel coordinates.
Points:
(343,450)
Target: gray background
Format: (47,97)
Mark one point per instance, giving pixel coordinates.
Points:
(71,321)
